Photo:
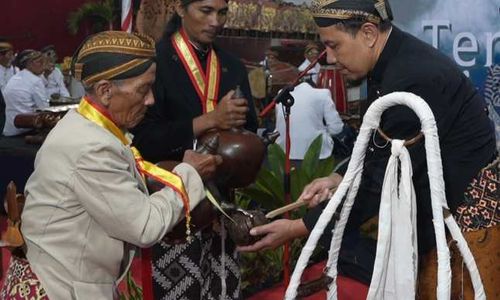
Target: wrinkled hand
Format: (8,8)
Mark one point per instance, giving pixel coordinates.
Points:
(204,164)
(319,189)
(230,112)
(275,234)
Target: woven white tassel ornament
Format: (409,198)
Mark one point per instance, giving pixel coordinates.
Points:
(397,215)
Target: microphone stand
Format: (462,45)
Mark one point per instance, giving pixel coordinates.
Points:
(267,89)
(285,98)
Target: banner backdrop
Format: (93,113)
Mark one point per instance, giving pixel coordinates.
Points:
(468,31)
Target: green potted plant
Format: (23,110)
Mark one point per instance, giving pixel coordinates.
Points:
(100,14)
(263,269)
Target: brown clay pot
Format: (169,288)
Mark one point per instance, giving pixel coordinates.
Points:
(242,153)
(239,230)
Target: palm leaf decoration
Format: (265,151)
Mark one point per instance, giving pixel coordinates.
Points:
(100,13)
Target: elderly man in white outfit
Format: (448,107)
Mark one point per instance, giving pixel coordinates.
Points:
(53,77)
(25,91)
(311,52)
(7,70)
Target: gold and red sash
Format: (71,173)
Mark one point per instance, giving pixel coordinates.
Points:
(94,113)
(205,82)
(99,116)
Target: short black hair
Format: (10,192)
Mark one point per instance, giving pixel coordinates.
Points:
(48,48)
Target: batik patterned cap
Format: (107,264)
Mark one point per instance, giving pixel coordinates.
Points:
(310,46)
(5,46)
(25,56)
(113,55)
(367,10)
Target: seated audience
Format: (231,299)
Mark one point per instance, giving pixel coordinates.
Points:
(52,76)
(25,91)
(311,52)
(7,70)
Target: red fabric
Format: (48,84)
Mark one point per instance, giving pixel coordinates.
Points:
(36,24)
(147,274)
(347,288)
(334,81)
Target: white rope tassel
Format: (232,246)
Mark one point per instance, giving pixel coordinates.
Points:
(396,263)
(456,234)
(397,229)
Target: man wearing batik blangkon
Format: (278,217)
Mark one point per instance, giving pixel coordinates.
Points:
(87,205)
(362,43)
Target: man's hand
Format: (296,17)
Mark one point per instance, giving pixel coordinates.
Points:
(276,234)
(204,164)
(230,112)
(319,189)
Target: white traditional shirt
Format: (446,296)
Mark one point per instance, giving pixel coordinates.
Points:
(312,114)
(313,72)
(54,83)
(5,75)
(24,93)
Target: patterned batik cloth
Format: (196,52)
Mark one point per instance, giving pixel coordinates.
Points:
(194,270)
(480,208)
(21,282)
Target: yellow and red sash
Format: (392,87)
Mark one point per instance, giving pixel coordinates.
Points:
(94,113)
(205,82)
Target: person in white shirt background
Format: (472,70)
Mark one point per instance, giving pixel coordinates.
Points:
(53,77)
(7,70)
(312,114)
(25,91)
(311,52)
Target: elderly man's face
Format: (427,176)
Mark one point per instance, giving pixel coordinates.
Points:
(52,55)
(7,58)
(312,54)
(203,20)
(49,65)
(352,55)
(37,66)
(130,99)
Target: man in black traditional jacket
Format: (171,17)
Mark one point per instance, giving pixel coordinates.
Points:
(195,83)
(362,43)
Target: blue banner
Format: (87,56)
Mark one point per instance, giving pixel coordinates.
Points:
(468,31)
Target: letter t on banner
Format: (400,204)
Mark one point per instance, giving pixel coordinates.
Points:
(127,15)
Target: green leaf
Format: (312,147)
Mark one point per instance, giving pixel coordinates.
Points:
(99,13)
(276,160)
(268,191)
(295,188)
(270,183)
(263,198)
(311,158)
(325,167)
